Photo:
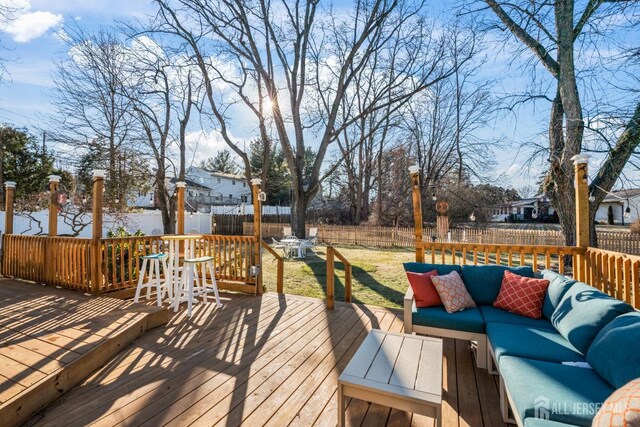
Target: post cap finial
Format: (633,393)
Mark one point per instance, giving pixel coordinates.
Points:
(10,184)
(99,173)
(256,181)
(580,159)
(54,178)
(414,169)
(181,184)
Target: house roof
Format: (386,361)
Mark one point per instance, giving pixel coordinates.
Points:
(618,195)
(200,171)
(191,183)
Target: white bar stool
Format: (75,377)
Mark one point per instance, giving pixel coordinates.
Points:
(193,285)
(153,278)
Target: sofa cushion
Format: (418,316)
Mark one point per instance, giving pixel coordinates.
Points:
(483,281)
(423,290)
(530,342)
(453,293)
(622,408)
(558,286)
(469,320)
(570,394)
(497,315)
(583,312)
(539,422)
(422,267)
(522,295)
(615,352)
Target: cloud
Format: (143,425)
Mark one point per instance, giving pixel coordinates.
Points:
(201,145)
(24,25)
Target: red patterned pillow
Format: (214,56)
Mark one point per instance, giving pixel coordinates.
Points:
(453,292)
(522,295)
(622,408)
(426,295)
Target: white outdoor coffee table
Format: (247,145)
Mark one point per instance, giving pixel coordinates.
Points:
(397,370)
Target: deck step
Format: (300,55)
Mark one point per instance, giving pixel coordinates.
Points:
(41,362)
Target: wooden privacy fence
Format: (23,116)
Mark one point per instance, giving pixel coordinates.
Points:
(67,261)
(378,236)
(346,234)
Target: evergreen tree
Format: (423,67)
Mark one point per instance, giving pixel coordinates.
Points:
(223,162)
(24,162)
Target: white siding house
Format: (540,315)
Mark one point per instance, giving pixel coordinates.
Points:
(226,189)
(612,209)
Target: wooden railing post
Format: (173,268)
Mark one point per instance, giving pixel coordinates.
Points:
(256,193)
(330,278)
(54,181)
(347,281)
(9,192)
(180,187)
(96,243)
(581,167)
(414,171)
(279,268)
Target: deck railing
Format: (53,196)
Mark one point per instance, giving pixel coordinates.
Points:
(68,262)
(332,254)
(279,267)
(538,257)
(614,273)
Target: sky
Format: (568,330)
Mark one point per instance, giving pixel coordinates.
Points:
(34,43)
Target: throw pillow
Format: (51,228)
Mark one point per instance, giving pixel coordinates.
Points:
(522,295)
(423,290)
(622,408)
(453,293)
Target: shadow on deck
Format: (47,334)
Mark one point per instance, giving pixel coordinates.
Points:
(268,360)
(51,340)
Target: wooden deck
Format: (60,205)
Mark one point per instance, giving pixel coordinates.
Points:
(52,339)
(270,360)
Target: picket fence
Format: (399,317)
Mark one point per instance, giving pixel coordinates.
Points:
(385,237)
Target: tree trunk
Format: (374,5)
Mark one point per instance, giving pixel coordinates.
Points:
(299,214)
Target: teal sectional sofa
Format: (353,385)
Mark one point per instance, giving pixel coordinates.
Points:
(555,371)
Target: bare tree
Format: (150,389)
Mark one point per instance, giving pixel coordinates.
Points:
(8,12)
(557,34)
(302,62)
(163,89)
(91,104)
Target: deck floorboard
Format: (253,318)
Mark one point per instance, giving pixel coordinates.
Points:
(270,360)
(50,339)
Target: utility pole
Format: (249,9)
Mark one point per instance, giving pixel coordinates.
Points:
(44,145)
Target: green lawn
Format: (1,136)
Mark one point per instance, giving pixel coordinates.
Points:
(378,276)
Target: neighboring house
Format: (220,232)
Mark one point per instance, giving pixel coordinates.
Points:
(612,209)
(226,189)
(531,209)
(193,191)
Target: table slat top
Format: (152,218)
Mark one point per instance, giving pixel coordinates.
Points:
(407,365)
